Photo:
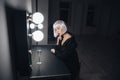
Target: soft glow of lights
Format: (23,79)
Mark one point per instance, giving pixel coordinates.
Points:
(40,26)
(38,18)
(32,26)
(30,35)
(37,36)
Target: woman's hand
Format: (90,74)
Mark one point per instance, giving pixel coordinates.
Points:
(58,39)
(53,50)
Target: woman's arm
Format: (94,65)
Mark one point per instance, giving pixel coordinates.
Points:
(64,52)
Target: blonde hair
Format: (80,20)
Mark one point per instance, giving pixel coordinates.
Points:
(61,24)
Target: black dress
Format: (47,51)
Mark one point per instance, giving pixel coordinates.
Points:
(68,54)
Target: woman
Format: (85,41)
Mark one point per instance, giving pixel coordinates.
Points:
(66,49)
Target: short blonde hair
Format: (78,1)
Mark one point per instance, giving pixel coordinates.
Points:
(61,24)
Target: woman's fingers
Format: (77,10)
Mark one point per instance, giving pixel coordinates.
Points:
(53,50)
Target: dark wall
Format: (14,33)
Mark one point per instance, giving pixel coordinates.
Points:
(103,19)
(16,22)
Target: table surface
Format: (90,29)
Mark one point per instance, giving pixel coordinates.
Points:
(45,64)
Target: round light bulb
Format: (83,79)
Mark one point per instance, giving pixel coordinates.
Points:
(38,36)
(38,17)
(40,26)
(32,26)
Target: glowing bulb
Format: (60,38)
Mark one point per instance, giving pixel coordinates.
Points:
(38,18)
(37,36)
(40,26)
(32,26)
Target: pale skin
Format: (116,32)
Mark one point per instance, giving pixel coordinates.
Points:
(60,32)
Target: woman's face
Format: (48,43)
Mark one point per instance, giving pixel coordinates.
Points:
(59,30)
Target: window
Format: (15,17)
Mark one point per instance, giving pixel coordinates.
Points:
(90,16)
(65,11)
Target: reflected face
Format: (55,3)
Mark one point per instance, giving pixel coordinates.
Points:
(59,30)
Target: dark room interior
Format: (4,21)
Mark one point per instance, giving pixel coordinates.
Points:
(94,23)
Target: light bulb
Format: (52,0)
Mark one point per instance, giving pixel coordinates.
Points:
(38,18)
(32,26)
(38,36)
(40,26)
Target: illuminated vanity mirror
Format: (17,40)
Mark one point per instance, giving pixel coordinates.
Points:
(35,32)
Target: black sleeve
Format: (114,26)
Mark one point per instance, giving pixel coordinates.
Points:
(64,52)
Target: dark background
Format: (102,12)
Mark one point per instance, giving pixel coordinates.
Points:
(95,24)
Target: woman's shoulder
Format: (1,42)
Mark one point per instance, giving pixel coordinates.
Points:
(70,41)
(67,35)
(70,35)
